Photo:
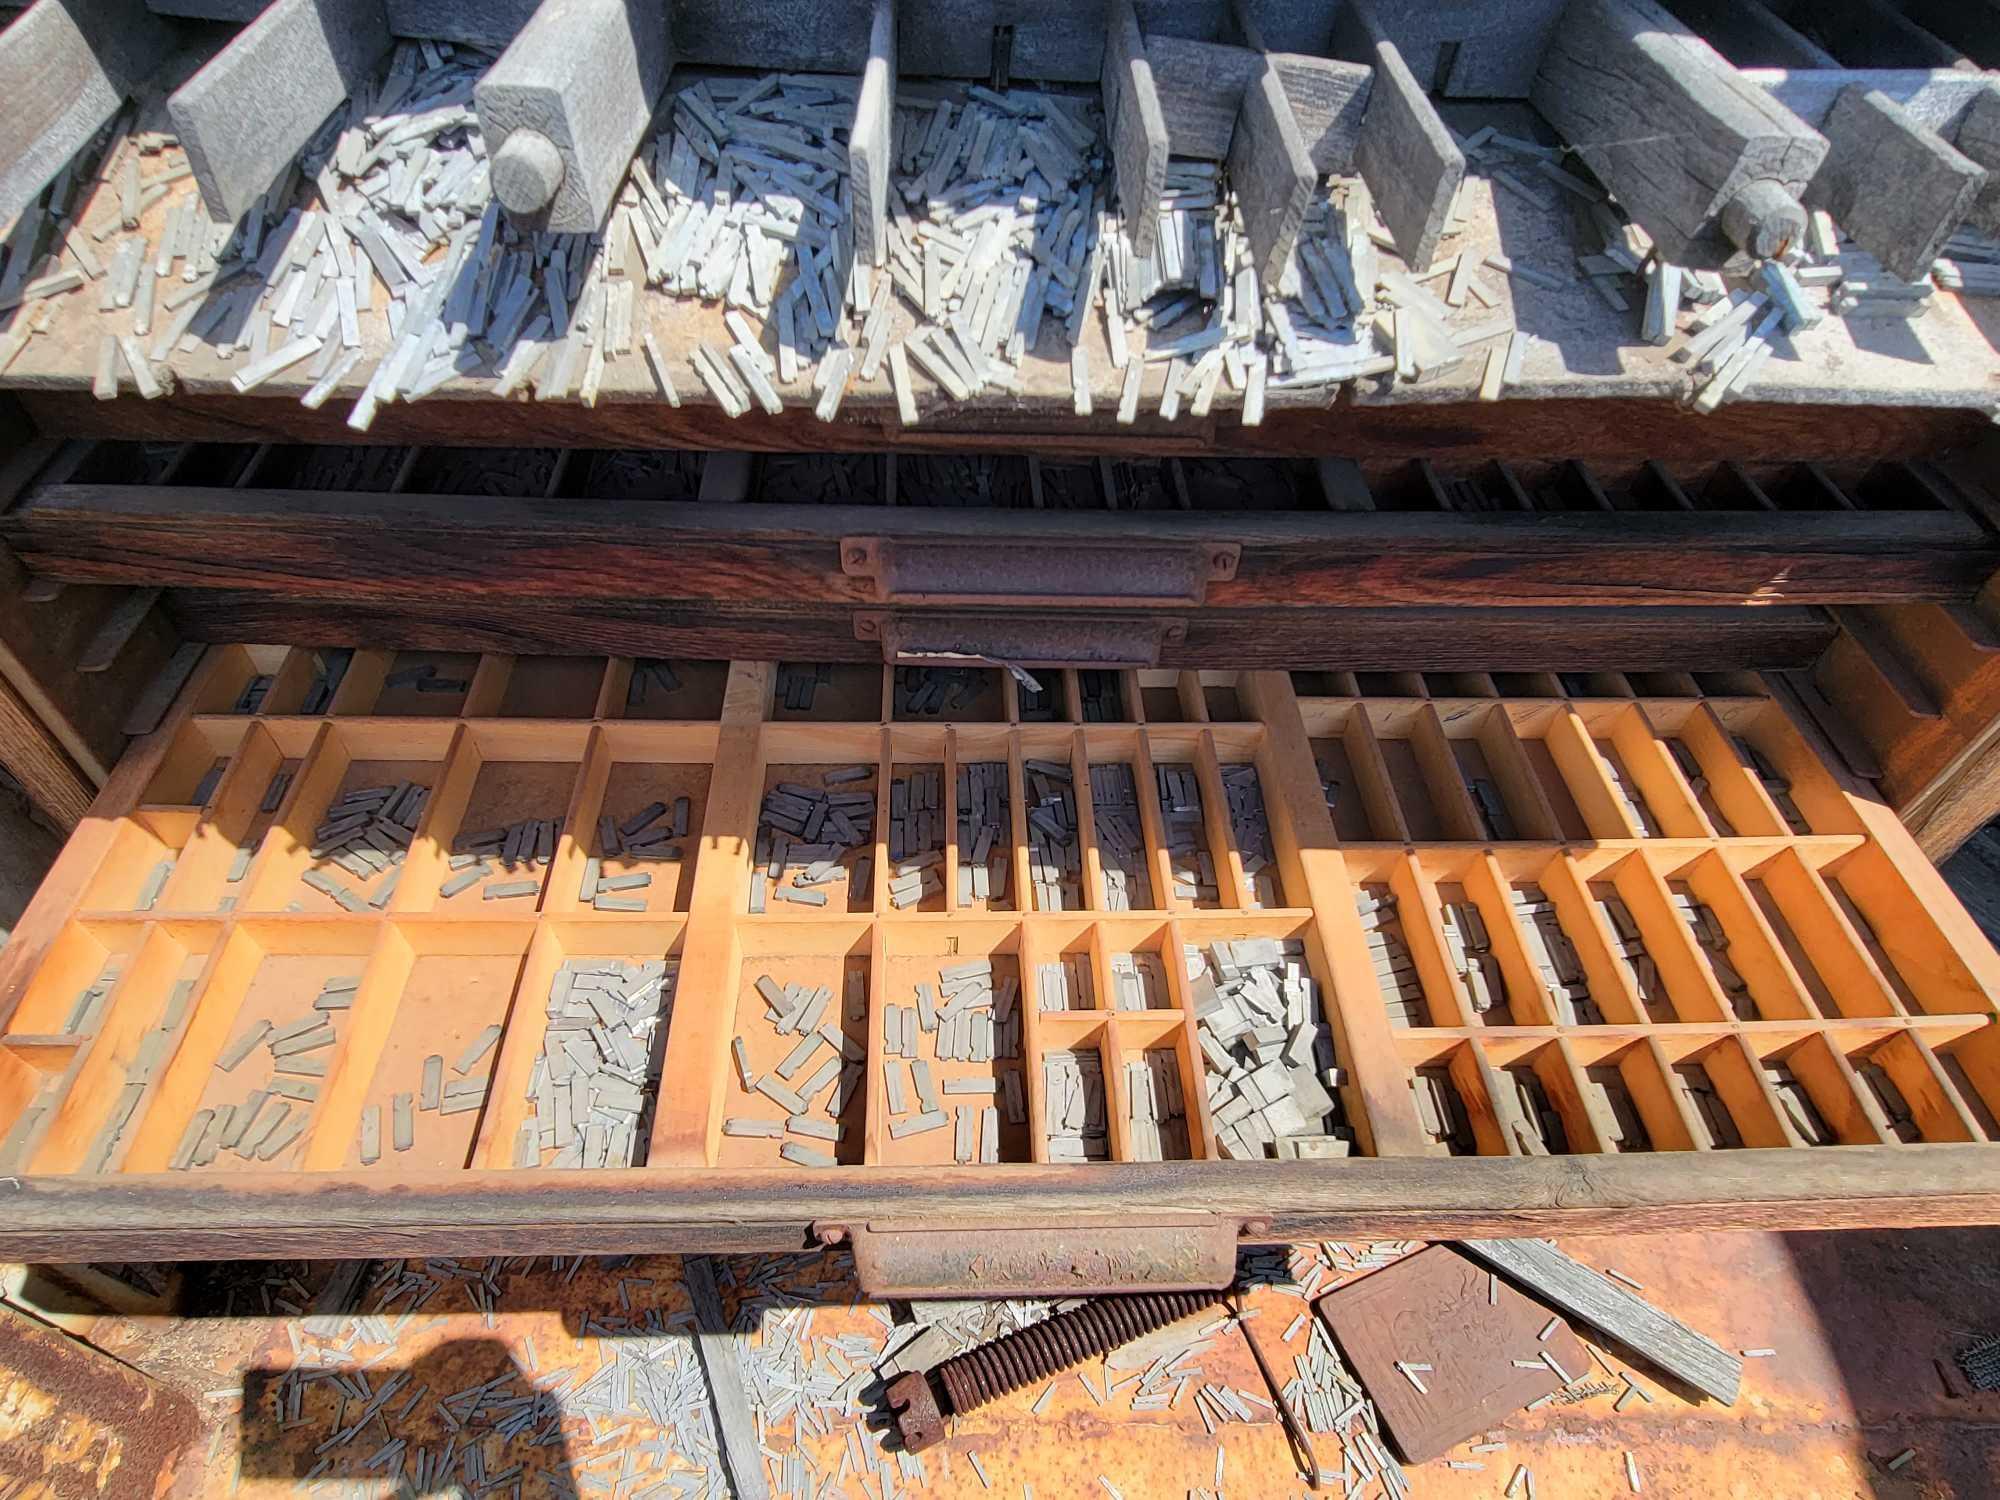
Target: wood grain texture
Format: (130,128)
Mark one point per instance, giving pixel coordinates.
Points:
(1136,125)
(1329,100)
(65,68)
(708,1211)
(1632,638)
(1607,429)
(1898,188)
(1629,1319)
(1408,158)
(1272,173)
(1666,123)
(736,1425)
(35,758)
(358,546)
(872,139)
(244,117)
(1200,87)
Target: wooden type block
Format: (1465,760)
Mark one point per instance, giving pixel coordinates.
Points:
(1329,99)
(1978,139)
(565,105)
(1702,159)
(243,118)
(872,141)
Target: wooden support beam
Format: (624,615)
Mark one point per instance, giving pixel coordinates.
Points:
(65,68)
(1136,125)
(735,1424)
(566,104)
(34,757)
(1272,173)
(871,142)
(186,1216)
(1404,152)
(1701,159)
(1899,189)
(244,117)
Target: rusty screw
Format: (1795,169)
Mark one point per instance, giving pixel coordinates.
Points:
(968,1381)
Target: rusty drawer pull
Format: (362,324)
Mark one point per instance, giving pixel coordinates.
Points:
(1023,638)
(1037,571)
(1084,1257)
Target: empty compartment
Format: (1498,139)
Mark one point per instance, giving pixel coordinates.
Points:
(656,688)
(1803,794)
(953,1089)
(639,822)
(1532,723)
(827,692)
(545,687)
(1354,778)
(1422,776)
(1507,799)
(1972,1065)
(248,1087)
(416,1081)
(1906,934)
(1842,970)
(577,1078)
(140,861)
(960,695)
(798,1048)
(1219,698)
(816,825)
(1169,697)
(253,680)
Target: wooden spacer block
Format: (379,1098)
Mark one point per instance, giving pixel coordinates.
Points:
(245,115)
(1898,189)
(65,68)
(872,140)
(1404,153)
(566,104)
(1676,132)
(1136,125)
(1273,175)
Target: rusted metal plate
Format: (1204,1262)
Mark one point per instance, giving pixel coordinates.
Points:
(1061,639)
(78,1425)
(1027,571)
(1190,1252)
(1468,1334)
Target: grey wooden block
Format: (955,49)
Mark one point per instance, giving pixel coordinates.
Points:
(1329,100)
(1938,97)
(1979,140)
(1273,175)
(1200,87)
(1136,126)
(1470,48)
(1750,34)
(872,141)
(1699,157)
(1582,1293)
(244,117)
(1412,166)
(65,67)
(565,105)
(1898,189)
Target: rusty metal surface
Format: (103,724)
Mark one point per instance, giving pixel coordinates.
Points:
(75,1424)
(1192,1252)
(1026,572)
(1856,1318)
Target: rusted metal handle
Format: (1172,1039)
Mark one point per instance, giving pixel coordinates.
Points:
(1050,573)
(1092,1257)
(1021,638)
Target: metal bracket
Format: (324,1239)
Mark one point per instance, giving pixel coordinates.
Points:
(1021,638)
(1085,1257)
(1033,571)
